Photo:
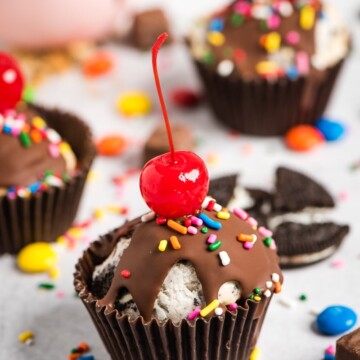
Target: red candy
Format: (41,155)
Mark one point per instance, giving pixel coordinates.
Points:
(125,273)
(185,98)
(11,82)
(303,138)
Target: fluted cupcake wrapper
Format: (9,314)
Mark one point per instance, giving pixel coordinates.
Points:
(263,107)
(230,336)
(48,214)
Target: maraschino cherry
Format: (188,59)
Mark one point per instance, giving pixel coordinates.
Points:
(176,183)
(11,82)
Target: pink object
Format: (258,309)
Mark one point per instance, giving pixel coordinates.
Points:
(242,214)
(248,245)
(194,314)
(273,22)
(265,232)
(192,230)
(338,263)
(233,306)
(243,8)
(54,151)
(252,222)
(292,37)
(50,23)
(196,221)
(60,294)
(302,62)
(211,239)
(330,350)
(273,245)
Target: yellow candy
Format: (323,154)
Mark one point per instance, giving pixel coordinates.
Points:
(99,214)
(37,257)
(255,354)
(224,215)
(54,273)
(61,240)
(26,335)
(216,38)
(163,245)
(38,122)
(307,17)
(266,67)
(134,104)
(76,232)
(211,307)
(272,42)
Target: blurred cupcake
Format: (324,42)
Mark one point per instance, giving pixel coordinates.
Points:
(45,156)
(269,65)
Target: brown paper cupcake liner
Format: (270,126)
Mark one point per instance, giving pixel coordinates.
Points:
(48,214)
(267,108)
(231,336)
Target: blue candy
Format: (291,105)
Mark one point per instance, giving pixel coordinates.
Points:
(329,357)
(212,224)
(217,25)
(335,320)
(331,130)
(292,72)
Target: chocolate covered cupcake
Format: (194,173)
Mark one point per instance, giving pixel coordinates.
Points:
(269,65)
(45,156)
(203,294)
(188,280)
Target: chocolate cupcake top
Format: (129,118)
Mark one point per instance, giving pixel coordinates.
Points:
(222,247)
(270,39)
(32,155)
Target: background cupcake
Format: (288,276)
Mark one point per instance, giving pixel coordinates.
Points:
(45,156)
(268,66)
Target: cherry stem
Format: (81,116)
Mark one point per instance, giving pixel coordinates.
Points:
(155,50)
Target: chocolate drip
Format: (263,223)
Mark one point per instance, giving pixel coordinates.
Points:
(149,267)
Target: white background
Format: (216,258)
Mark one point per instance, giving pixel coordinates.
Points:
(60,324)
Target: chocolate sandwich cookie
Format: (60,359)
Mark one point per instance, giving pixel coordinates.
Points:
(348,346)
(295,211)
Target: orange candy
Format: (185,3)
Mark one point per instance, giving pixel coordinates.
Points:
(98,64)
(303,138)
(111,145)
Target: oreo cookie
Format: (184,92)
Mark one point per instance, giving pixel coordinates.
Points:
(295,211)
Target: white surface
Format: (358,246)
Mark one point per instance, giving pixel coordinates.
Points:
(60,324)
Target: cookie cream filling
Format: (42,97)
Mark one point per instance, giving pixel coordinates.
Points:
(307,258)
(179,295)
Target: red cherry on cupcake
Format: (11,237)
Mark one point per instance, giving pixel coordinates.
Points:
(174,184)
(11,82)
(174,189)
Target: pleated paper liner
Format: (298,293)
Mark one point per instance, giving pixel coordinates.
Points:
(264,107)
(48,214)
(231,336)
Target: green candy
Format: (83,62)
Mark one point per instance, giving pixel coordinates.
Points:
(25,139)
(204,230)
(268,241)
(216,245)
(237,19)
